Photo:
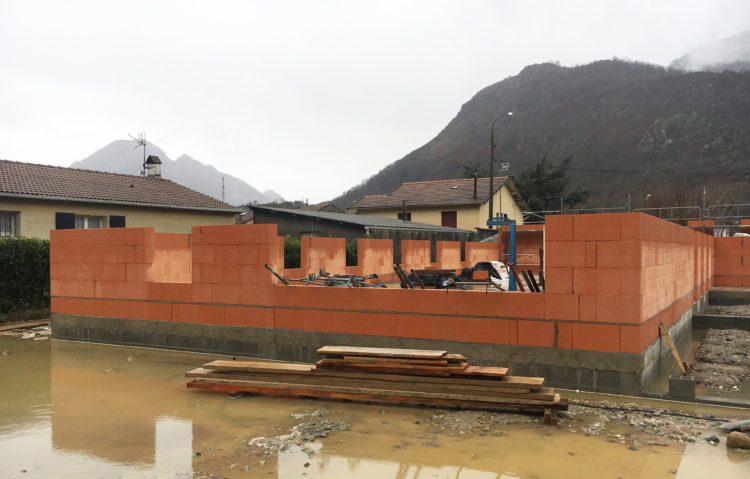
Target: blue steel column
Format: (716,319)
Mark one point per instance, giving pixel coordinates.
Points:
(512,286)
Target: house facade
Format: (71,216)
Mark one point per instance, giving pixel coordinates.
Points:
(458,203)
(35,199)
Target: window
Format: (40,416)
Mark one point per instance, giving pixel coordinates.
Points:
(448,218)
(401,216)
(84,222)
(9,223)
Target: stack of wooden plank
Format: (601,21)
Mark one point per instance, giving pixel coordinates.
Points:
(380,374)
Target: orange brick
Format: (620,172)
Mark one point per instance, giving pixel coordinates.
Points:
(352,323)
(536,333)
(479,275)
(565,254)
(237,316)
(558,228)
(596,227)
(58,287)
(561,306)
(262,317)
(451,328)
(596,337)
(591,254)
(139,272)
(558,280)
(382,325)
(587,307)
(122,289)
(619,309)
(200,293)
(619,254)
(415,326)
(596,281)
(487,330)
(565,335)
(520,305)
(633,282)
(477,303)
(175,292)
(248,254)
(289,319)
(630,339)
(225,293)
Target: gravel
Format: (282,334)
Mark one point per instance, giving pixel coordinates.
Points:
(723,359)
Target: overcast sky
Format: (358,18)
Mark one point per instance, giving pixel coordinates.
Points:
(307,98)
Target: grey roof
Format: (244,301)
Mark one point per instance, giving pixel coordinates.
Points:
(374,222)
(28,180)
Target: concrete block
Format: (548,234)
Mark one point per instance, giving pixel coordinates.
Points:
(682,387)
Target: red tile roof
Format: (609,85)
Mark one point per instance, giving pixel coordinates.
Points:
(56,182)
(437,193)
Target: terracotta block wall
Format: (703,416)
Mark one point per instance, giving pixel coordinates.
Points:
(529,240)
(325,253)
(698,225)
(611,280)
(172,258)
(475,252)
(448,254)
(732,261)
(632,270)
(415,254)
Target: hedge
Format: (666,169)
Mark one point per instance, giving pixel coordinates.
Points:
(24,274)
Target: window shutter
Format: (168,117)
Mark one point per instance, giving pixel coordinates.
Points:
(116,221)
(65,221)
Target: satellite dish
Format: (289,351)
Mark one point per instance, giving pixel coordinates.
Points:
(504,166)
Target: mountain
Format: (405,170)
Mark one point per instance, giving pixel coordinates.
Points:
(731,53)
(120,157)
(629,127)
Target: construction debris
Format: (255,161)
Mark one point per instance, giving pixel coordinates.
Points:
(323,278)
(37,330)
(387,375)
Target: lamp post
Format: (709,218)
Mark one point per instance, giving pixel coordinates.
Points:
(492,162)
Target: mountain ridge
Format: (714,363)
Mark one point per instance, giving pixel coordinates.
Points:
(119,156)
(607,115)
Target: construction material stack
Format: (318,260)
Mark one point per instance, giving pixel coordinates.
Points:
(390,375)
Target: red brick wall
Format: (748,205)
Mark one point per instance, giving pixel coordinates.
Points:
(611,280)
(732,261)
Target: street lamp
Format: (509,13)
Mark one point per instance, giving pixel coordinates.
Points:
(492,161)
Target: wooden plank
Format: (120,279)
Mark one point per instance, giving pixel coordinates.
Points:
(376,360)
(507,381)
(412,370)
(675,354)
(390,363)
(280,368)
(383,352)
(419,280)
(482,371)
(533,281)
(561,405)
(455,357)
(543,393)
(23,325)
(314,390)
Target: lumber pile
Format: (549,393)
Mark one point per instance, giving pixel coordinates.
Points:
(390,375)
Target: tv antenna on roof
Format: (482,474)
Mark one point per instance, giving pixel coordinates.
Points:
(141,141)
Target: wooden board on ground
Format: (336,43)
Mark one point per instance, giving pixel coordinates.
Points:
(482,371)
(560,404)
(280,368)
(313,390)
(23,325)
(507,381)
(406,365)
(541,393)
(382,352)
(376,360)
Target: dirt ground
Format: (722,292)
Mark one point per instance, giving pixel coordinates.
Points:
(738,310)
(722,361)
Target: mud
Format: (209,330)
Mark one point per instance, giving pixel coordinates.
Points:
(722,361)
(736,310)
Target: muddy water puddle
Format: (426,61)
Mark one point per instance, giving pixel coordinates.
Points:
(83,410)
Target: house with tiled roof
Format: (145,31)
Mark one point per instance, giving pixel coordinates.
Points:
(35,199)
(459,203)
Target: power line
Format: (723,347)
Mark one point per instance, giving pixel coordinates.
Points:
(629,172)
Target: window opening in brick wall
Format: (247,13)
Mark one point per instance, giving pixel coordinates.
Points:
(84,222)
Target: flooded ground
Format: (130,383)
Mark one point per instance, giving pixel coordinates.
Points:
(84,410)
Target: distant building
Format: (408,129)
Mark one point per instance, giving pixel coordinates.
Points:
(459,203)
(35,199)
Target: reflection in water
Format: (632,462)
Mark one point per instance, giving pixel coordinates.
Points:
(83,410)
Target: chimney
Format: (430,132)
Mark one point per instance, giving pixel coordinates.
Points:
(153,166)
(475,187)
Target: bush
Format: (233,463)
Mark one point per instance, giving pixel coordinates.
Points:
(24,274)
(292,253)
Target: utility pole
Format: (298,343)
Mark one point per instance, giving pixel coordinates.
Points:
(222,188)
(492,161)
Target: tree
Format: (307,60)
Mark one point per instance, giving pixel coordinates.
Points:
(474,168)
(542,186)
